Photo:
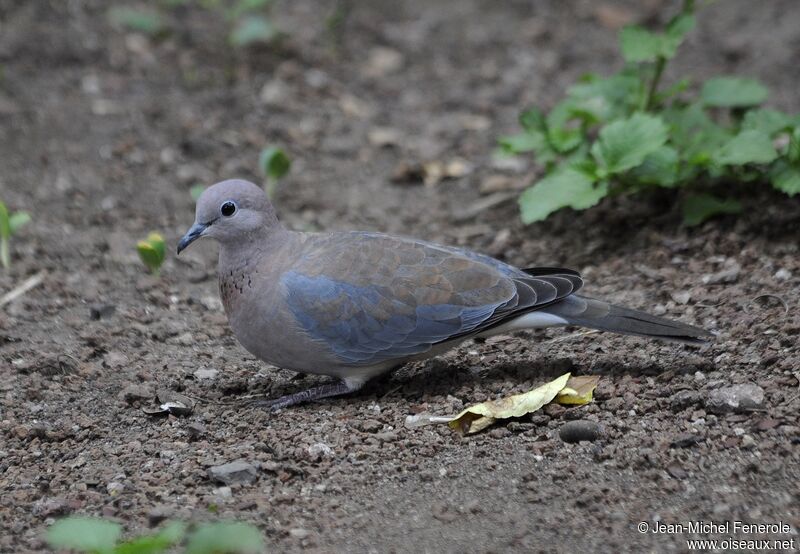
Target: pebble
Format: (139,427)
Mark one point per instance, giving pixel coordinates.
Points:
(370,426)
(737,398)
(319,451)
(580,430)
(136,393)
(195,429)
(233,472)
(205,373)
(101,311)
(298,533)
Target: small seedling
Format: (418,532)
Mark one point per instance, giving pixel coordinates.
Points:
(138,20)
(152,252)
(626,134)
(98,536)
(10,223)
(248,19)
(274,164)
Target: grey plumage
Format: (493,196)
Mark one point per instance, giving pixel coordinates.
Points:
(354,305)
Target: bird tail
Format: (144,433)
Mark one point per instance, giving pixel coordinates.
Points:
(596,314)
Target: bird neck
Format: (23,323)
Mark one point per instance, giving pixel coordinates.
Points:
(249,249)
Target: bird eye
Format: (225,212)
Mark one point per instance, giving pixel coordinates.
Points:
(228,208)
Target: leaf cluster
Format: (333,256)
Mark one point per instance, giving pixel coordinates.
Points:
(99,536)
(624,134)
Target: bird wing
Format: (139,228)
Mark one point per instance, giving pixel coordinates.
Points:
(373,298)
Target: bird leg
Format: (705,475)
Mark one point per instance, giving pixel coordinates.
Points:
(309,395)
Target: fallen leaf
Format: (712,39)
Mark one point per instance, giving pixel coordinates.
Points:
(579,390)
(480,416)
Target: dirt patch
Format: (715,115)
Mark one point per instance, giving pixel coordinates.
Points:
(103,133)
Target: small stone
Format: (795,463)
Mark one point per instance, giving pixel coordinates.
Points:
(101,311)
(158,514)
(748,442)
(580,430)
(114,360)
(676,471)
(683,399)
(205,373)
(233,472)
(737,398)
(223,492)
(383,61)
(682,297)
(685,441)
(319,451)
(298,533)
(136,393)
(370,426)
(783,274)
(195,429)
(114,488)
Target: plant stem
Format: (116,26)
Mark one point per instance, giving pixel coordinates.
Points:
(661,63)
(5,257)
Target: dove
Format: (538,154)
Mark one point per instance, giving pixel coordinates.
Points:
(355,305)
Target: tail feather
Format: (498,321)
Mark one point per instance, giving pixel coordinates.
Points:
(596,314)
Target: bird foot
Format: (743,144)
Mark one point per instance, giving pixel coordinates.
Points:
(309,395)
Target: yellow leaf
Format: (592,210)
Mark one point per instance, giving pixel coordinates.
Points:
(579,390)
(480,416)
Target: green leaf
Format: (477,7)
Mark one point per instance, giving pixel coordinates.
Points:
(253,29)
(533,119)
(523,142)
(5,223)
(699,207)
(793,151)
(216,538)
(694,134)
(154,544)
(639,44)
(625,143)
(745,148)
(84,534)
(196,191)
(786,178)
(675,33)
(17,220)
(135,19)
(274,163)
(603,99)
(565,188)
(770,122)
(660,167)
(563,128)
(733,92)
(152,252)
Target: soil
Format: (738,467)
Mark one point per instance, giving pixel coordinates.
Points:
(103,132)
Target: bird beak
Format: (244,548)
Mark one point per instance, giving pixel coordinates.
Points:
(197,230)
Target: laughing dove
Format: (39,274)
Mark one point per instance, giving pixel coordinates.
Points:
(354,305)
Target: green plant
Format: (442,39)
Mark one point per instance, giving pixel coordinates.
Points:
(274,164)
(248,19)
(98,536)
(10,223)
(144,21)
(152,252)
(626,133)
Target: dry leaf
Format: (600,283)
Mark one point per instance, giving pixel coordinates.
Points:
(579,390)
(480,416)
